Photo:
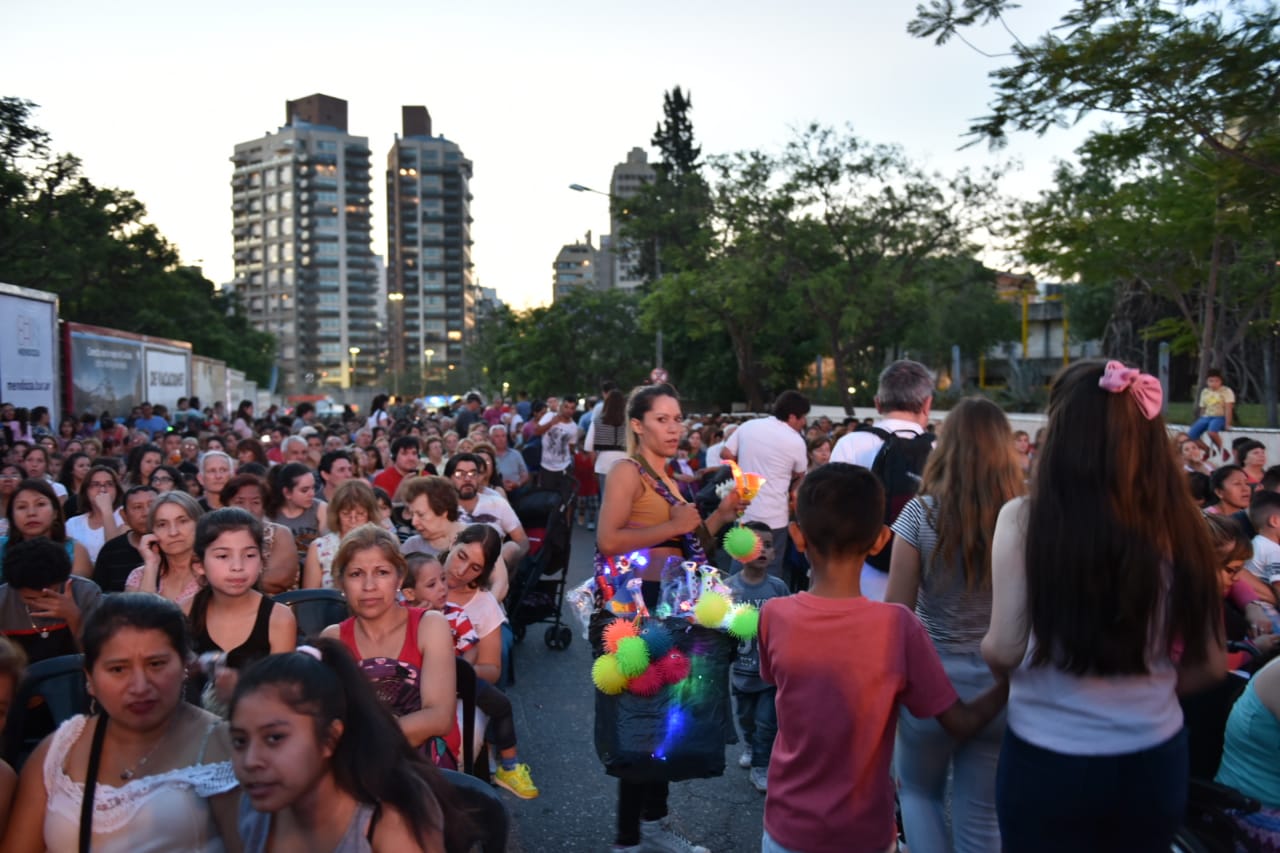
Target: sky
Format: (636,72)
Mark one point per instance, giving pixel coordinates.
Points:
(153,96)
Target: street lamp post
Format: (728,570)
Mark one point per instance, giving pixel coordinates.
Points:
(353,351)
(657,260)
(429,353)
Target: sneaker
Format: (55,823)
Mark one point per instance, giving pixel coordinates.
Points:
(654,837)
(744,760)
(760,779)
(517,781)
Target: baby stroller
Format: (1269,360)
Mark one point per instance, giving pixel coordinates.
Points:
(537,587)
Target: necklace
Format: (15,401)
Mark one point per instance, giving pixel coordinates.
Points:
(130,772)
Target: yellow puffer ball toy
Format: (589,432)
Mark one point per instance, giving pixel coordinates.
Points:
(710,609)
(608,678)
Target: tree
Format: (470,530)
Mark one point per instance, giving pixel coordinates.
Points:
(667,219)
(92,246)
(1186,82)
(744,284)
(569,346)
(875,226)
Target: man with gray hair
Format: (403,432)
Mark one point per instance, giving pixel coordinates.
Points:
(294,449)
(904,400)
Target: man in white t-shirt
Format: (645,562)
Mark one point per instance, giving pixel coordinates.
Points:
(904,400)
(559,434)
(476,508)
(773,448)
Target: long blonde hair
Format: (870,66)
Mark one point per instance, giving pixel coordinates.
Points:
(972,472)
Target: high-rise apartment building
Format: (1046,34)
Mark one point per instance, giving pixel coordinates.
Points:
(304,261)
(628,178)
(576,266)
(432,299)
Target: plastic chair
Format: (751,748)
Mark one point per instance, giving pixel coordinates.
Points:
(51,692)
(485,808)
(315,610)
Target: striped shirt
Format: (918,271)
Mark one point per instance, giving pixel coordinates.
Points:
(955,617)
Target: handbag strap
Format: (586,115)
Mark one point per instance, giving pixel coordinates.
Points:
(91,784)
(694,548)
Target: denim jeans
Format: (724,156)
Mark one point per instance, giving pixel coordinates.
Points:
(923,755)
(1207,424)
(768,845)
(758,719)
(1049,802)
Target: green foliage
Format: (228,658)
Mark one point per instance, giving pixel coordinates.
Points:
(568,347)
(92,246)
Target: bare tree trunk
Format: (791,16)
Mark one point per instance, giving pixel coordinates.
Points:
(1208,332)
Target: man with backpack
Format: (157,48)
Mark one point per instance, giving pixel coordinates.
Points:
(895,449)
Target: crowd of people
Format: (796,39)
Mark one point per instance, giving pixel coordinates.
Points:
(915,577)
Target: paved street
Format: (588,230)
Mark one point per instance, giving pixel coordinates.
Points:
(553,702)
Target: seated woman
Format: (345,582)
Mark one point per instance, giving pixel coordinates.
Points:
(168,550)
(42,605)
(355,784)
(1245,618)
(407,653)
(33,512)
(161,777)
(1249,756)
(99,499)
(293,503)
(279,554)
(353,505)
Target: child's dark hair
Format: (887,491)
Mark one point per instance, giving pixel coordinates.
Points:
(211,525)
(371,759)
(1262,506)
(1198,481)
(415,562)
(1213,373)
(840,510)
(489,541)
(144,611)
(36,564)
(759,527)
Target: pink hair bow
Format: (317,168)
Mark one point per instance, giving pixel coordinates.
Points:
(1142,387)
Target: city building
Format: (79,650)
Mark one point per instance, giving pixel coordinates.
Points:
(628,178)
(304,264)
(575,268)
(431,295)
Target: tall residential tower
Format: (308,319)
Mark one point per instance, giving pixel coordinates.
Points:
(432,300)
(304,263)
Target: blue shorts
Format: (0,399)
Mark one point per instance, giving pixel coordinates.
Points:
(1203,425)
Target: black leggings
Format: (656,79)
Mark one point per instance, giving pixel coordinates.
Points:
(638,801)
(497,707)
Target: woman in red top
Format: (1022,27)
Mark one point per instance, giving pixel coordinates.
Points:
(397,645)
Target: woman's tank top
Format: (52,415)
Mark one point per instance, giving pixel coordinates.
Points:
(305,529)
(255,647)
(397,681)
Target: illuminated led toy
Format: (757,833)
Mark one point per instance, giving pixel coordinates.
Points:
(743,544)
(633,656)
(607,676)
(615,631)
(711,609)
(747,483)
(743,622)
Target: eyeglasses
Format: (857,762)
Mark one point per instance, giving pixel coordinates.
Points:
(465,475)
(102,485)
(162,479)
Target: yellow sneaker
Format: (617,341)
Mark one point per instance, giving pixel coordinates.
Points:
(517,781)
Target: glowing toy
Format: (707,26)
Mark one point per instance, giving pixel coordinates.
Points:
(711,609)
(744,622)
(615,631)
(633,656)
(743,544)
(607,676)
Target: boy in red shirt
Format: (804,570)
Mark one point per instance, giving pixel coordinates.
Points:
(842,665)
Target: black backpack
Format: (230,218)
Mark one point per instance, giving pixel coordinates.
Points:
(899,464)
